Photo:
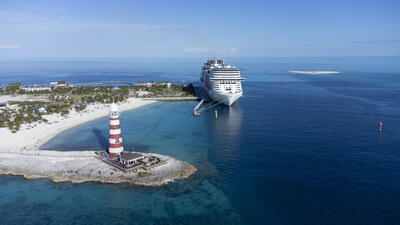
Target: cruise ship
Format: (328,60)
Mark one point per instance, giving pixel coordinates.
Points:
(221,82)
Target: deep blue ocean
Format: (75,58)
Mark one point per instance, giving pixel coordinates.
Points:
(296,149)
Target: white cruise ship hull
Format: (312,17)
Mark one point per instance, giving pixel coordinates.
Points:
(221,82)
(226,99)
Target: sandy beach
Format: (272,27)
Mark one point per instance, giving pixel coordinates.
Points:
(20,154)
(32,136)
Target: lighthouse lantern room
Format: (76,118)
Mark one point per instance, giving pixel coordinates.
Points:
(115,147)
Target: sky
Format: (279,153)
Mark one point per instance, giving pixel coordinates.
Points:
(174,28)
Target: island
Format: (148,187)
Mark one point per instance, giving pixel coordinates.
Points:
(313,72)
(30,118)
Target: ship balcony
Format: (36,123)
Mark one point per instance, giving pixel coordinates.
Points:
(226,78)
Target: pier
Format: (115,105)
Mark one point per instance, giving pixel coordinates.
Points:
(196,109)
(102,83)
(111,82)
(201,95)
(205,101)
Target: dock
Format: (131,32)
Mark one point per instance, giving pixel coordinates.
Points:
(201,95)
(205,101)
(196,111)
(103,83)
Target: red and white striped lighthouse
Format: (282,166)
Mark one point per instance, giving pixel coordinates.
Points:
(115,147)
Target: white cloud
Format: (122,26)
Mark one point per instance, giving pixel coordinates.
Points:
(55,20)
(212,50)
(9,46)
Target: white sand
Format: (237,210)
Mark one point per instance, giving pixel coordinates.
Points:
(32,136)
(313,72)
(19,154)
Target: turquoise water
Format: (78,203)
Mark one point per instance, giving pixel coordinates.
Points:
(302,151)
(166,128)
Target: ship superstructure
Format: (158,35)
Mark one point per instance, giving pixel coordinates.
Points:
(222,82)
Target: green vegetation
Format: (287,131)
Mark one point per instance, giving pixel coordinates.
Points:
(15,89)
(161,90)
(11,89)
(62,100)
(26,112)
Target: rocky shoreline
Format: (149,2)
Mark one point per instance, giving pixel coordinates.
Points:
(83,166)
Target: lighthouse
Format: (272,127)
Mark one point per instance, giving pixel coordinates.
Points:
(115,147)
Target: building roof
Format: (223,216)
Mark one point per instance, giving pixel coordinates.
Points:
(130,155)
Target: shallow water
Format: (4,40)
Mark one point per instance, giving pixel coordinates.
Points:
(302,151)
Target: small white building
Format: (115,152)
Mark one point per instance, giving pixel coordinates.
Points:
(36,88)
(129,159)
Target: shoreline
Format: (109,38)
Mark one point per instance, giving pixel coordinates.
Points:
(20,153)
(34,138)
